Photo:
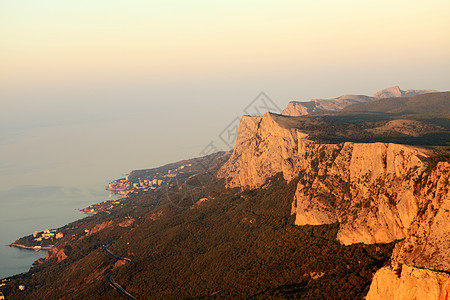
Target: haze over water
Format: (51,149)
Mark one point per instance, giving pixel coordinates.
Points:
(92,90)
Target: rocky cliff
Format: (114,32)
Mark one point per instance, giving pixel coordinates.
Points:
(427,242)
(374,190)
(378,192)
(302,108)
(406,283)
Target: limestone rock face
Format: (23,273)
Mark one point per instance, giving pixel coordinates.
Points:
(263,148)
(295,108)
(374,190)
(409,283)
(302,108)
(378,192)
(428,239)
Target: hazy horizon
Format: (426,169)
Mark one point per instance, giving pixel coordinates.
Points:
(91,90)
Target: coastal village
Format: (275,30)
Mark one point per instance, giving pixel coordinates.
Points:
(47,234)
(141,181)
(136,182)
(40,240)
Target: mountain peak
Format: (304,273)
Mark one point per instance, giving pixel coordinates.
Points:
(391,92)
(396,91)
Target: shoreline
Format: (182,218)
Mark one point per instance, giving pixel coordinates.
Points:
(80,215)
(29,247)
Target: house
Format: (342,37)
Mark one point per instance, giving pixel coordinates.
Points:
(59,235)
(22,287)
(2,297)
(47,234)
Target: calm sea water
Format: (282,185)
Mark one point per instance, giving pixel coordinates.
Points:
(60,147)
(23,212)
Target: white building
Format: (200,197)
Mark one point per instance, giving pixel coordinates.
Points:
(47,234)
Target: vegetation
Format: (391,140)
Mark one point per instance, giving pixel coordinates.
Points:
(430,103)
(236,243)
(239,244)
(426,120)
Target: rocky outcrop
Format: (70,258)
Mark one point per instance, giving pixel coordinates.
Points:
(264,146)
(378,192)
(374,190)
(407,283)
(302,108)
(427,243)
(296,108)
(60,253)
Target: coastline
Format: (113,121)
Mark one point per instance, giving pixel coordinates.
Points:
(34,248)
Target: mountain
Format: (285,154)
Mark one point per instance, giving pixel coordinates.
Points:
(377,192)
(337,178)
(296,108)
(176,243)
(395,91)
(430,103)
(338,205)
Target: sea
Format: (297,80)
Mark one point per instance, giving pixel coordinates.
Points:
(61,147)
(26,212)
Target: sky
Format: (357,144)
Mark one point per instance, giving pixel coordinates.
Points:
(90,90)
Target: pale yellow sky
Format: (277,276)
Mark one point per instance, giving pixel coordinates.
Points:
(55,42)
(91,89)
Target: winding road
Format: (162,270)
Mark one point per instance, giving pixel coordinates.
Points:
(115,285)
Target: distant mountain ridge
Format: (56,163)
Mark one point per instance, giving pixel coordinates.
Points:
(302,108)
(334,205)
(431,103)
(378,192)
(395,91)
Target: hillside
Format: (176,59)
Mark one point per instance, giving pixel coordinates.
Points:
(377,192)
(309,207)
(314,106)
(395,91)
(237,244)
(431,103)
